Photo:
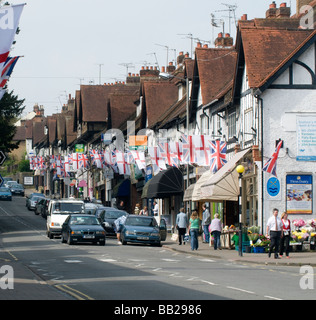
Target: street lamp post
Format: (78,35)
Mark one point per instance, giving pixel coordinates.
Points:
(240,169)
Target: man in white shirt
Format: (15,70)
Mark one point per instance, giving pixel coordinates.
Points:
(274,230)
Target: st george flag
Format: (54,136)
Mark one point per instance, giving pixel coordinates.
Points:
(218,155)
(270,165)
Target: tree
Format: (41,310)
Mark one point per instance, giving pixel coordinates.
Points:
(10,109)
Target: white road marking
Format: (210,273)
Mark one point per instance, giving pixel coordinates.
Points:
(242,290)
(210,283)
(274,298)
(72,261)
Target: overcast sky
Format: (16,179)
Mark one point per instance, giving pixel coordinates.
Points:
(64,41)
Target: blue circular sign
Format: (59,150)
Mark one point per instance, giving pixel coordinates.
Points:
(273,187)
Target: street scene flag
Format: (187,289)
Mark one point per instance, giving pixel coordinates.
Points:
(270,166)
(7,70)
(218,155)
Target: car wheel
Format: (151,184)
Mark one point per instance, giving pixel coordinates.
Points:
(102,243)
(69,240)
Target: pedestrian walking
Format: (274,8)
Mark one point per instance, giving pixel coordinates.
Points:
(206,220)
(144,212)
(181,225)
(285,236)
(156,208)
(274,231)
(194,230)
(215,229)
(137,210)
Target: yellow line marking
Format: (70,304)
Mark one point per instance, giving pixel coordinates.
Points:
(73,292)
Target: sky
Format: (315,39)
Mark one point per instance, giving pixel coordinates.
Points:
(65,43)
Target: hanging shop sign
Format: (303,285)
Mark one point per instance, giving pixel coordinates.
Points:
(299,194)
(274,188)
(138,143)
(79,148)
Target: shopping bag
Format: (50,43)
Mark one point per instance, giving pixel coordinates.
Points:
(174,237)
(186,238)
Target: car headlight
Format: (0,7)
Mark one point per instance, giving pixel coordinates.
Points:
(75,232)
(100,232)
(130,233)
(55,224)
(155,234)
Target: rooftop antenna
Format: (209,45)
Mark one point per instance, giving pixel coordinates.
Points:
(100,66)
(232,10)
(127,66)
(154,53)
(167,48)
(188,36)
(215,24)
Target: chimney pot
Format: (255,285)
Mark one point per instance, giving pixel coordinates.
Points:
(283,5)
(163,69)
(220,35)
(272,5)
(199,45)
(244,17)
(205,46)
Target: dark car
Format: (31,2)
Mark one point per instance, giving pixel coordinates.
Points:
(5,194)
(82,228)
(107,216)
(17,189)
(143,229)
(28,203)
(41,207)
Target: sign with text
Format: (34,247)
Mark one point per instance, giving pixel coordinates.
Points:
(138,143)
(306,138)
(79,148)
(299,194)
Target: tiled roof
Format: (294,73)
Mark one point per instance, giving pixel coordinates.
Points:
(216,69)
(268,49)
(159,97)
(19,134)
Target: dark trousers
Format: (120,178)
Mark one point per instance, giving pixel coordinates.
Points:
(285,242)
(275,237)
(181,232)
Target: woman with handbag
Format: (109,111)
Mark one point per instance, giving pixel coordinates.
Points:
(194,230)
(285,236)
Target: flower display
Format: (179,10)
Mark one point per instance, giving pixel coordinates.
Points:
(299,236)
(299,223)
(312,223)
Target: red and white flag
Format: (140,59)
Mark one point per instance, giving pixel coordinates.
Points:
(139,157)
(121,160)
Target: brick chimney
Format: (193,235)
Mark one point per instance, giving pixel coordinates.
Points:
(284,11)
(224,42)
(180,58)
(171,68)
(256,154)
(271,12)
(149,73)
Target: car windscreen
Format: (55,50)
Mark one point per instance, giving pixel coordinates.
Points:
(113,214)
(4,190)
(91,221)
(66,208)
(17,186)
(141,222)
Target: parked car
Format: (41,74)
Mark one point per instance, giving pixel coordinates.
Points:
(9,184)
(82,228)
(5,194)
(40,206)
(17,189)
(45,208)
(29,197)
(143,229)
(58,211)
(91,208)
(5,180)
(33,201)
(107,216)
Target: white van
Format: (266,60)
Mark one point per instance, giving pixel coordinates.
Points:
(58,211)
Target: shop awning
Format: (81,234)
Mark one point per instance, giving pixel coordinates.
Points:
(165,184)
(122,189)
(188,193)
(224,184)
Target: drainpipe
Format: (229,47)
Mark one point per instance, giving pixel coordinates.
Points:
(262,184)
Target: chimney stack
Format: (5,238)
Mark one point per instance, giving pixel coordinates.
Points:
(271,12)
(224,42)
(171,68)
(284,11)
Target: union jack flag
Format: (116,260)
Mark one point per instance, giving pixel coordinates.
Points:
(270,165)
(218,155)
(187,149)
(7,70)
(96,158)
(83,161)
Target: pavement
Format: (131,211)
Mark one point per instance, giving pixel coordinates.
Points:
(296,258)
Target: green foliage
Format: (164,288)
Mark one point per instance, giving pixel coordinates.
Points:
(10,109)
(24,166)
